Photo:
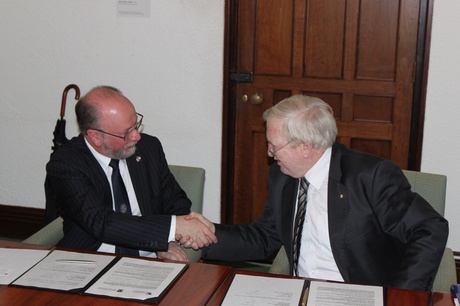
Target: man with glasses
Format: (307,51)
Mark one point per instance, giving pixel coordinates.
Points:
(361,223)
(113,187)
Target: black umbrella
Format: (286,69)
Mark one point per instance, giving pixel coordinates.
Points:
(59,139)
(59,131)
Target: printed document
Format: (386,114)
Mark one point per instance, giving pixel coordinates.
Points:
(340,294)
(14,262)
(263,291)
(136,279)
(62,270)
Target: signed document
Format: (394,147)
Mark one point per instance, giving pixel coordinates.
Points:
(62,270)
(338,294)
(263,291)
(137,279)
(102,275)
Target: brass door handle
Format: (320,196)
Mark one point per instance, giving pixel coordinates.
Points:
(256,99)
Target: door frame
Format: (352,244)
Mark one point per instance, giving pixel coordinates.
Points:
(229,98)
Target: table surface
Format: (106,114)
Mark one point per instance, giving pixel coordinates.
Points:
(200,284)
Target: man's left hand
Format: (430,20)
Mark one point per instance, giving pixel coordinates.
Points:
(175,252)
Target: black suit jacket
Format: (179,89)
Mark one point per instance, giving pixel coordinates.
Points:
(78,187)
(381,233)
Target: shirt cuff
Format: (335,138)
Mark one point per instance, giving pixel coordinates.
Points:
(172,229)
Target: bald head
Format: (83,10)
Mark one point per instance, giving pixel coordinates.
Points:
(109,122)
(100,106)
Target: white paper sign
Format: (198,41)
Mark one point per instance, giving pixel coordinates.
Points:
(133,8)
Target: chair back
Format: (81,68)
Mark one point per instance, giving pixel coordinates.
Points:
(191,179)
(48,235)
(432,187)
(447,274)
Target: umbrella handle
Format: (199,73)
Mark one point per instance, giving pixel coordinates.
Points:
(64,96)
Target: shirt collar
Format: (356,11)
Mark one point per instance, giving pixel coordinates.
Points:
(102,159)
(320,170)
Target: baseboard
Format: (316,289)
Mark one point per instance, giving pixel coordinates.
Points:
(457,265)
(18,222)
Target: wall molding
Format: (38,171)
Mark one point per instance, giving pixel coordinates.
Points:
(457,265)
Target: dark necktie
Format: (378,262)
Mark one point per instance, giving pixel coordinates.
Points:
(121,202)
(299,219)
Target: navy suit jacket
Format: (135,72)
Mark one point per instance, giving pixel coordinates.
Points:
(381,233)
(77,186)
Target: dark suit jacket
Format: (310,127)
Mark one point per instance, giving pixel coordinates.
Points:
(381,233)
(79,187)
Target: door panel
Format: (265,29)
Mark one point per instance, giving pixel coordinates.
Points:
(377,57)
(322,34)
(274,25)
(358,56)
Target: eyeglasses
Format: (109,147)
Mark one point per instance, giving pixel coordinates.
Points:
(273,150)
(136,127)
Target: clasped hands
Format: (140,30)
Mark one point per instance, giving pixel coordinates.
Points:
(195,231)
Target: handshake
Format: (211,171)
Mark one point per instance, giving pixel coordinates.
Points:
(195,231)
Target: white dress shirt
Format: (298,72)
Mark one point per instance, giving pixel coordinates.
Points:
(316,259)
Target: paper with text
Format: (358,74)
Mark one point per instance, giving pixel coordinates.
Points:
(62,270)
(14,262)
(263,291)
(136,279)
(335,294)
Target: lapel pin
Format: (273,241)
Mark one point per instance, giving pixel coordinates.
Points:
(138,158)
(341,196)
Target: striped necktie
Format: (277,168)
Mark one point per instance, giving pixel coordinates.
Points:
(299,219)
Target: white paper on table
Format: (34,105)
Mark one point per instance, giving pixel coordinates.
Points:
(63,270)
(340,294)
(263,291)
(140,279)
(14,262)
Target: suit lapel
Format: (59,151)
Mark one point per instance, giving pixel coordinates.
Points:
(337,210)
(288,201)
(93,166)
(140,179)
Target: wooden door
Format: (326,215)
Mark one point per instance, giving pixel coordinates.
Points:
(358,56)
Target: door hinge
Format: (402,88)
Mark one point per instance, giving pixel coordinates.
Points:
(241,76)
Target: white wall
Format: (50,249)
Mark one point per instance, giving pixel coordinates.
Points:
(441,140)
(170,66)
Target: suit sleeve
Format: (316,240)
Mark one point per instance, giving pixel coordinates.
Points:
(255,241)
(411,219)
